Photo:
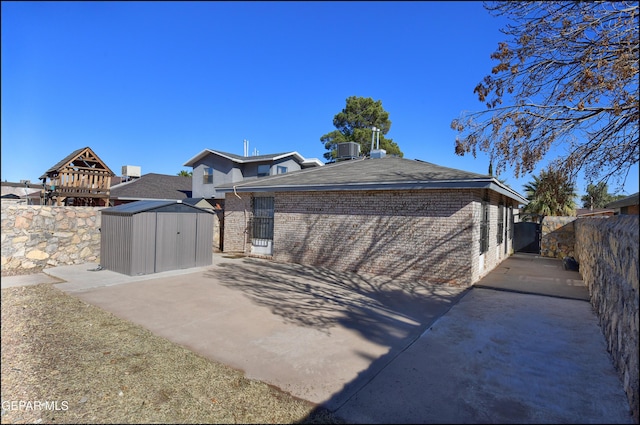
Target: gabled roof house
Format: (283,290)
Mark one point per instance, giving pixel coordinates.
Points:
(151,187)
(388,216)
(628,206)
(212,168)
(23,192)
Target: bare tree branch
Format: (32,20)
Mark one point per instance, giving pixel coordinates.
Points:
(566,77)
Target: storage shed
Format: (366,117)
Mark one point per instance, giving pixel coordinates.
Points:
(145,237)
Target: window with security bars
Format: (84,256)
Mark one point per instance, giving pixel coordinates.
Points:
(262,220)
(484,226)
(500,233)
(511,220)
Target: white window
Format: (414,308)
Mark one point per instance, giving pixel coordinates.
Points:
(281,169)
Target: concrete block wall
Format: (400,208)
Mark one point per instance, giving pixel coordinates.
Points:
(37,236)
(607,250)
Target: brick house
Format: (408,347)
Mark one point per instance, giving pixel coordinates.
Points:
(626,206)
(386,216)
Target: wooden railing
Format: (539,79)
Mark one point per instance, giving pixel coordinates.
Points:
(86,179)
(87,184)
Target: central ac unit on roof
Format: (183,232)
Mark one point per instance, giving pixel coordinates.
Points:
(348,150)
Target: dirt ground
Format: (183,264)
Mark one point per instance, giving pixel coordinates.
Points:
(65,361)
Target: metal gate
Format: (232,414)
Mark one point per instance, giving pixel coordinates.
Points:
(262,225)
(526,237)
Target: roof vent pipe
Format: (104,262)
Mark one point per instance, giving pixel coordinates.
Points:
(373,137)
(246,147)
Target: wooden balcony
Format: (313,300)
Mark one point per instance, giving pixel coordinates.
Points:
(78,184)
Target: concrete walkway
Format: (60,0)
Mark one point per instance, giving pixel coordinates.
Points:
(522,346)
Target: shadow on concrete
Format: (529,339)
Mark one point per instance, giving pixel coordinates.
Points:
(389,312)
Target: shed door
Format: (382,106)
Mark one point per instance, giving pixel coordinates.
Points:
(175,241)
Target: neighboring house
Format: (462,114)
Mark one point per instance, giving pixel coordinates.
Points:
(595,212)
(22,193)
(151,187)
(212,168)
(387,216)
(80,179)
(629,205)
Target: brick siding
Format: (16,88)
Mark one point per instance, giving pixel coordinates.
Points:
(426,235)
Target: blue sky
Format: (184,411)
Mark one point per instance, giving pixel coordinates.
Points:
(152,84)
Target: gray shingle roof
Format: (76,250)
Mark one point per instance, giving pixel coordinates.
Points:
(146,206)
(62,163)
(154,186)
(374,174)
(242,159)
(625,202)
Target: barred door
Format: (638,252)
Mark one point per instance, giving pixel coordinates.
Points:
(262,225)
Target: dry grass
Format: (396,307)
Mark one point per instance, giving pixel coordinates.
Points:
(96,368)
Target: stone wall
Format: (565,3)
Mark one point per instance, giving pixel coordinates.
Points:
(38,236)
(607,250)
(35,236)
(557,239)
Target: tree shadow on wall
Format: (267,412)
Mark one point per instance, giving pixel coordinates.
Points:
(395,248)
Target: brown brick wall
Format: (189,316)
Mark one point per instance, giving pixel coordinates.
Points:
(237,211)
(428,235)
(413,234)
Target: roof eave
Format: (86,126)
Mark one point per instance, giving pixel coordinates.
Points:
(198,157)
(313,161)
(439,184)
(204,153)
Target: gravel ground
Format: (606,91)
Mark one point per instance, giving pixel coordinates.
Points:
(66,361)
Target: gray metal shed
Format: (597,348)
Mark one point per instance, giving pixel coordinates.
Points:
(145,237)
